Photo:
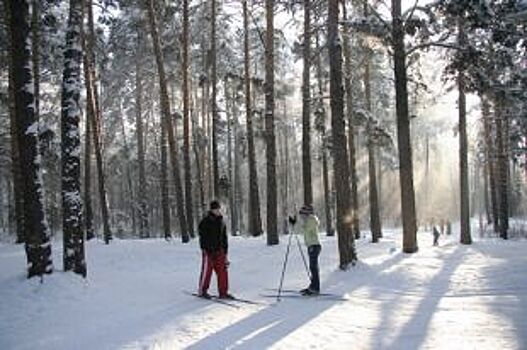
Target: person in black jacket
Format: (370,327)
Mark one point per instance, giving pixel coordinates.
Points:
(214,247)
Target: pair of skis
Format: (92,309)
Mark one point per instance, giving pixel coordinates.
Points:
(235,303)
(291,293)
(273,293)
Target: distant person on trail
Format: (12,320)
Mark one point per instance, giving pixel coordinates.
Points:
(435,232)
(309,225)
(214,246)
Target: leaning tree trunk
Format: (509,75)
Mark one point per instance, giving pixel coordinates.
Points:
(95,125)
(15,147)
(36,232)
(142,190)
(403,132)
(165,109)
(465,237)
(346,241)
(351,132)
(272,226)
(73,236)
(306,106)
(186,123)
(255,223)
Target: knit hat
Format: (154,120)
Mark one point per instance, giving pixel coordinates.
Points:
(306,210)
(215,205)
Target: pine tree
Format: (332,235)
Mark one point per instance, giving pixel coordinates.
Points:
(306,106)
(16,169)
(36,232)
(167,118)
(255,223)
(465,236)
(346,241)
(272,226)
(186,122)
(142,190)
(73,236)
(403,132)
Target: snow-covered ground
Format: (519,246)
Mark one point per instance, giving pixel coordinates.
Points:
(446,297)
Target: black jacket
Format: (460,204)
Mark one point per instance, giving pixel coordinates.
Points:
(213,234)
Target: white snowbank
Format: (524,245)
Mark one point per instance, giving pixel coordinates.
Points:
(446,297)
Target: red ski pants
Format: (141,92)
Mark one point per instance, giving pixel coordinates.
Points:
(216,262)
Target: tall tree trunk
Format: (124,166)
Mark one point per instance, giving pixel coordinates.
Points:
(403,132)
(144,231)
(323,137)
(375,221)
(165,109)
(229,111)
(238,204)
(95,124)
(186,123)
(128,170)
(255,223)
(16,169)
(272,225)
(306,107)
(36,232)
(490,163)
(346,241)
(215,116)
(351,131)
(502,166)
(90,115)
(74,257)
(465,236)
(165,197)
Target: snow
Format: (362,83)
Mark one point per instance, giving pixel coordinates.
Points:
(447,297)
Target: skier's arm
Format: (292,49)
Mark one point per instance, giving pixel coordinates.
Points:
(224,242)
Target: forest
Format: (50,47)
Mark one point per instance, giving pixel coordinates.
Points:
(124,119)
(381,142)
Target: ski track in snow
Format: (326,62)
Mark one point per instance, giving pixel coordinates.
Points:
(446,297)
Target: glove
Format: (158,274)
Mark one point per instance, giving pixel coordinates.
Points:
(227,263)
(292,220)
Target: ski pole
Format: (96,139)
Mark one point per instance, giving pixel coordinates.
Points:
(283,269)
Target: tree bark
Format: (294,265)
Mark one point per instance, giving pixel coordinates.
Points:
(215,116)
(502,165)
(351,131)
(186,123)
(346,241)
(255,223)
(465,236)
(36,231)
(306,107)
(90,115)
(272,226)
(165,197)
(143,186)
(16,169)
(490,164)
(375,221)
(165,109)
(95,125)
(73,236)
(323,137)
(403,132)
